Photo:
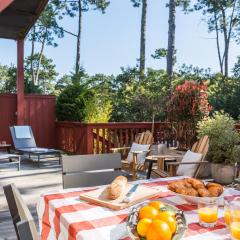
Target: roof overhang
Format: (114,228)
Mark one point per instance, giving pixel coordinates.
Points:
(4,4)
(18,16)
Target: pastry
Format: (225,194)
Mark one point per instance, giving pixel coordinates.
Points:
(189,192)
(203,192)
(196,183)
(215,191)
(117,187)
(173,186)
(196,188)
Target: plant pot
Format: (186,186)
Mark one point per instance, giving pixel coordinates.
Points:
(223,174)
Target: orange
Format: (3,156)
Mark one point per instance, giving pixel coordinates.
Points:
(143,226)
(164,213)
(148,212)
(156,204)
(171,221)
(158,230)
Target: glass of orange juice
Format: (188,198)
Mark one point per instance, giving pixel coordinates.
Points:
(226,213)
(234,226)
(208,214)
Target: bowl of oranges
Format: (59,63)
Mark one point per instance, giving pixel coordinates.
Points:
(156,221)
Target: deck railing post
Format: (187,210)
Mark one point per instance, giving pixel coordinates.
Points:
(89,139)
(20,82)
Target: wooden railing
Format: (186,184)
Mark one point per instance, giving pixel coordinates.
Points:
(75,137)
(82,138)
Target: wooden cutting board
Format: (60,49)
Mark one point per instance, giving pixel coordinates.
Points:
(99,197)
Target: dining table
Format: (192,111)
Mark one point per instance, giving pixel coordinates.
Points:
(62,215)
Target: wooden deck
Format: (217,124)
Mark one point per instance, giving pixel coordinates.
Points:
(31,182)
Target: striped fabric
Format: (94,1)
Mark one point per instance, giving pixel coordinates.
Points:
(64,216)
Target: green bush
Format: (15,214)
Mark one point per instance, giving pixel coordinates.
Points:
(223,138)
(71,102)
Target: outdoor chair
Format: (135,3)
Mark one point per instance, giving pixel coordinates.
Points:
(23,222)
(90,170)
(138,151)
(190,164)
(25,143)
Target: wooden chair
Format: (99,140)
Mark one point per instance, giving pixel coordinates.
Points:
(90,170)
(22,219)
(200,146)
(145,138)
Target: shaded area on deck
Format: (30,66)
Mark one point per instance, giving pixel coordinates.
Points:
(31,182)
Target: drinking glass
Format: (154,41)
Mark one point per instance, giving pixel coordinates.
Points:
(208,214)
(234,226)
(226,213)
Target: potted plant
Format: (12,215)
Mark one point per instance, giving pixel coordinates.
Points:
(224,149)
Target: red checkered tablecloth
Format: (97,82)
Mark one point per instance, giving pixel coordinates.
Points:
(63,216)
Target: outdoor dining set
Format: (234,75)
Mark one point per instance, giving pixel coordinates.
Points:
(155,193)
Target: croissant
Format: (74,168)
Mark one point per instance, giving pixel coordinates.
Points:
(191,192)
(187,184)
(187,191)
(214,185)
(215,191)
(173,186)
(196,183)
(203,192)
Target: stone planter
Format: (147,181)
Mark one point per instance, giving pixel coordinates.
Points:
(223,174)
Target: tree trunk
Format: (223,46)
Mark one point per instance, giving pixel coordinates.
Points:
(153,121)
(32,54)
(218,44)
(171,37)
(226,45)
(40,57)
(143,39)
(79,37)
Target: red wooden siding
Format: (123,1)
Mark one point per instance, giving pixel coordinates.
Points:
(39,113)
(8,117)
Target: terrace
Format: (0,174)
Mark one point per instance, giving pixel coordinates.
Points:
(42,182)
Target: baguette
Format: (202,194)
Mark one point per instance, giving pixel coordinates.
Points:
(117,187)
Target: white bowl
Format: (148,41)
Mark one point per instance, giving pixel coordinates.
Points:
(195,200)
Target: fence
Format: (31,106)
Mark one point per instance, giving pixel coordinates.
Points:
(39,112)
(81,138)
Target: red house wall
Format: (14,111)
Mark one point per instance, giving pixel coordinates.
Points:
(39,113)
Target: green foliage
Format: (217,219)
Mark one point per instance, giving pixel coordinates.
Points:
(86,100)
(223,138)
(136,100)
(159,53)
(47,76)
(47,28)
(62,83)
(8,77)
(71,102)
(99,107)
(224,94)
(47,73)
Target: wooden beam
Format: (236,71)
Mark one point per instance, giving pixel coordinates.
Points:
(4,4)
(20,82)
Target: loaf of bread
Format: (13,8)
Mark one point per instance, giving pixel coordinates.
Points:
(117,187)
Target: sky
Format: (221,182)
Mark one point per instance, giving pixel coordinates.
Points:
(111,40)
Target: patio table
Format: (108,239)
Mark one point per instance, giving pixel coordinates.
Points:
(160,158)
(62,215)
